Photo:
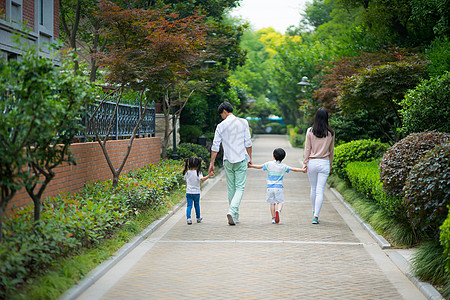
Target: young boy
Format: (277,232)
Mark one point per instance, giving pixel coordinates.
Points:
(276,170)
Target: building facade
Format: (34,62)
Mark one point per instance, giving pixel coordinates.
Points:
(40,18)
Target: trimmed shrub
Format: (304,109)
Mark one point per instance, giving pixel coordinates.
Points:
(445,239)
(427,189)
(365,178)
(186,150)
(71,221)
(360,150)
(426,107)
(403,155)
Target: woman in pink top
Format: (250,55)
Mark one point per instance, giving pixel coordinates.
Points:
(319,148)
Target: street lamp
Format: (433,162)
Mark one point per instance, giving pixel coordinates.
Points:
(304,83)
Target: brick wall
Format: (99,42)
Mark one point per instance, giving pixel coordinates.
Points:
(92,166)
(28,13)
(55,19)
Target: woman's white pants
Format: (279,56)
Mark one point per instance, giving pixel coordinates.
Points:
(318,171)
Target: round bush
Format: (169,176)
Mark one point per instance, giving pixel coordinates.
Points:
(426,191)
(403,155)
(359,150)
(426,107)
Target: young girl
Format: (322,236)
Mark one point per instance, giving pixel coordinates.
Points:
(193,175)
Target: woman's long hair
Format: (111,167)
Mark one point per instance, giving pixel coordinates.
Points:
(194,163)
(320,127)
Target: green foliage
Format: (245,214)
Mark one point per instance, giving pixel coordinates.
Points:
(427,106)
(189,133)
(396,230)
(41,109)
(438,54)
(360,125)
(360,150)
(375,89)
(428,263)
(73,221)
(403,156)
(444,239)
(365,178)
(427,189)
(187,150)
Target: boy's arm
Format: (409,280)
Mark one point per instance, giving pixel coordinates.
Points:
(303,170)
(255,166)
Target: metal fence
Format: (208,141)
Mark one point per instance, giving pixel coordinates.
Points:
(124,121)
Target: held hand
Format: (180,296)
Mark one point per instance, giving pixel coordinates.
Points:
(211,169)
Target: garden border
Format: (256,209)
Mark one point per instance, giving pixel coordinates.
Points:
(94,275)
(402,263)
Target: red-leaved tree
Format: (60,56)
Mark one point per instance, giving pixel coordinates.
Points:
(152,50)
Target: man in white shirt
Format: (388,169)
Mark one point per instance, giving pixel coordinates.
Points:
(234,135)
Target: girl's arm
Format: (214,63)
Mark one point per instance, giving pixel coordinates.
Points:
(206,177)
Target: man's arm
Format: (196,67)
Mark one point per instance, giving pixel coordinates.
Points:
(211,164)
(249,151)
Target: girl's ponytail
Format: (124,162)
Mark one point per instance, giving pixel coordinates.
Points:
(186,166)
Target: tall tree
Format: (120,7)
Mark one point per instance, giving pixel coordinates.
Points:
(155,50)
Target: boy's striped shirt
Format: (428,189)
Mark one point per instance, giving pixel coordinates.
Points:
(275,174)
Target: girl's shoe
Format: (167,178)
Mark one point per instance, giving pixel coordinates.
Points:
(189,221)
(315,220)
(199,220)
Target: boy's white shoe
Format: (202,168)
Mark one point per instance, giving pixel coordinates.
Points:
(273,220)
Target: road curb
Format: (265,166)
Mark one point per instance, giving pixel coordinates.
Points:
(105,266)
(381,241)
(399,260)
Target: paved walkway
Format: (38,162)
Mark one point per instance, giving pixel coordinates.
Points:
(256,259)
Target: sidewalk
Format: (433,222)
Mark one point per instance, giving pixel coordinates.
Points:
(256,259)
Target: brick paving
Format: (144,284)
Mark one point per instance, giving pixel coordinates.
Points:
(256,259)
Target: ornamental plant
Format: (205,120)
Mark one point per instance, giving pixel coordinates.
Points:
(365,178)
(402,157)
(426,107)
(426,192)
(359,150)
(73,221)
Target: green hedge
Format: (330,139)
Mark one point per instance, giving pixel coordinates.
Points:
(359,150)
(69,222)
(365,178)
(445,239)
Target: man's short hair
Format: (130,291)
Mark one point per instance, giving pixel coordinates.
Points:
(279,154)
(225,106)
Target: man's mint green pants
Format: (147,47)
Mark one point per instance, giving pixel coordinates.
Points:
(236,175)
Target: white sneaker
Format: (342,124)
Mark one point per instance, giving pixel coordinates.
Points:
(273,220)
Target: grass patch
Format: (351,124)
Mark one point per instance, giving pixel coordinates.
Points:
(429,262)
(68,271)
(398,233)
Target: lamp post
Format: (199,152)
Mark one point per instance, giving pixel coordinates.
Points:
(304,83)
